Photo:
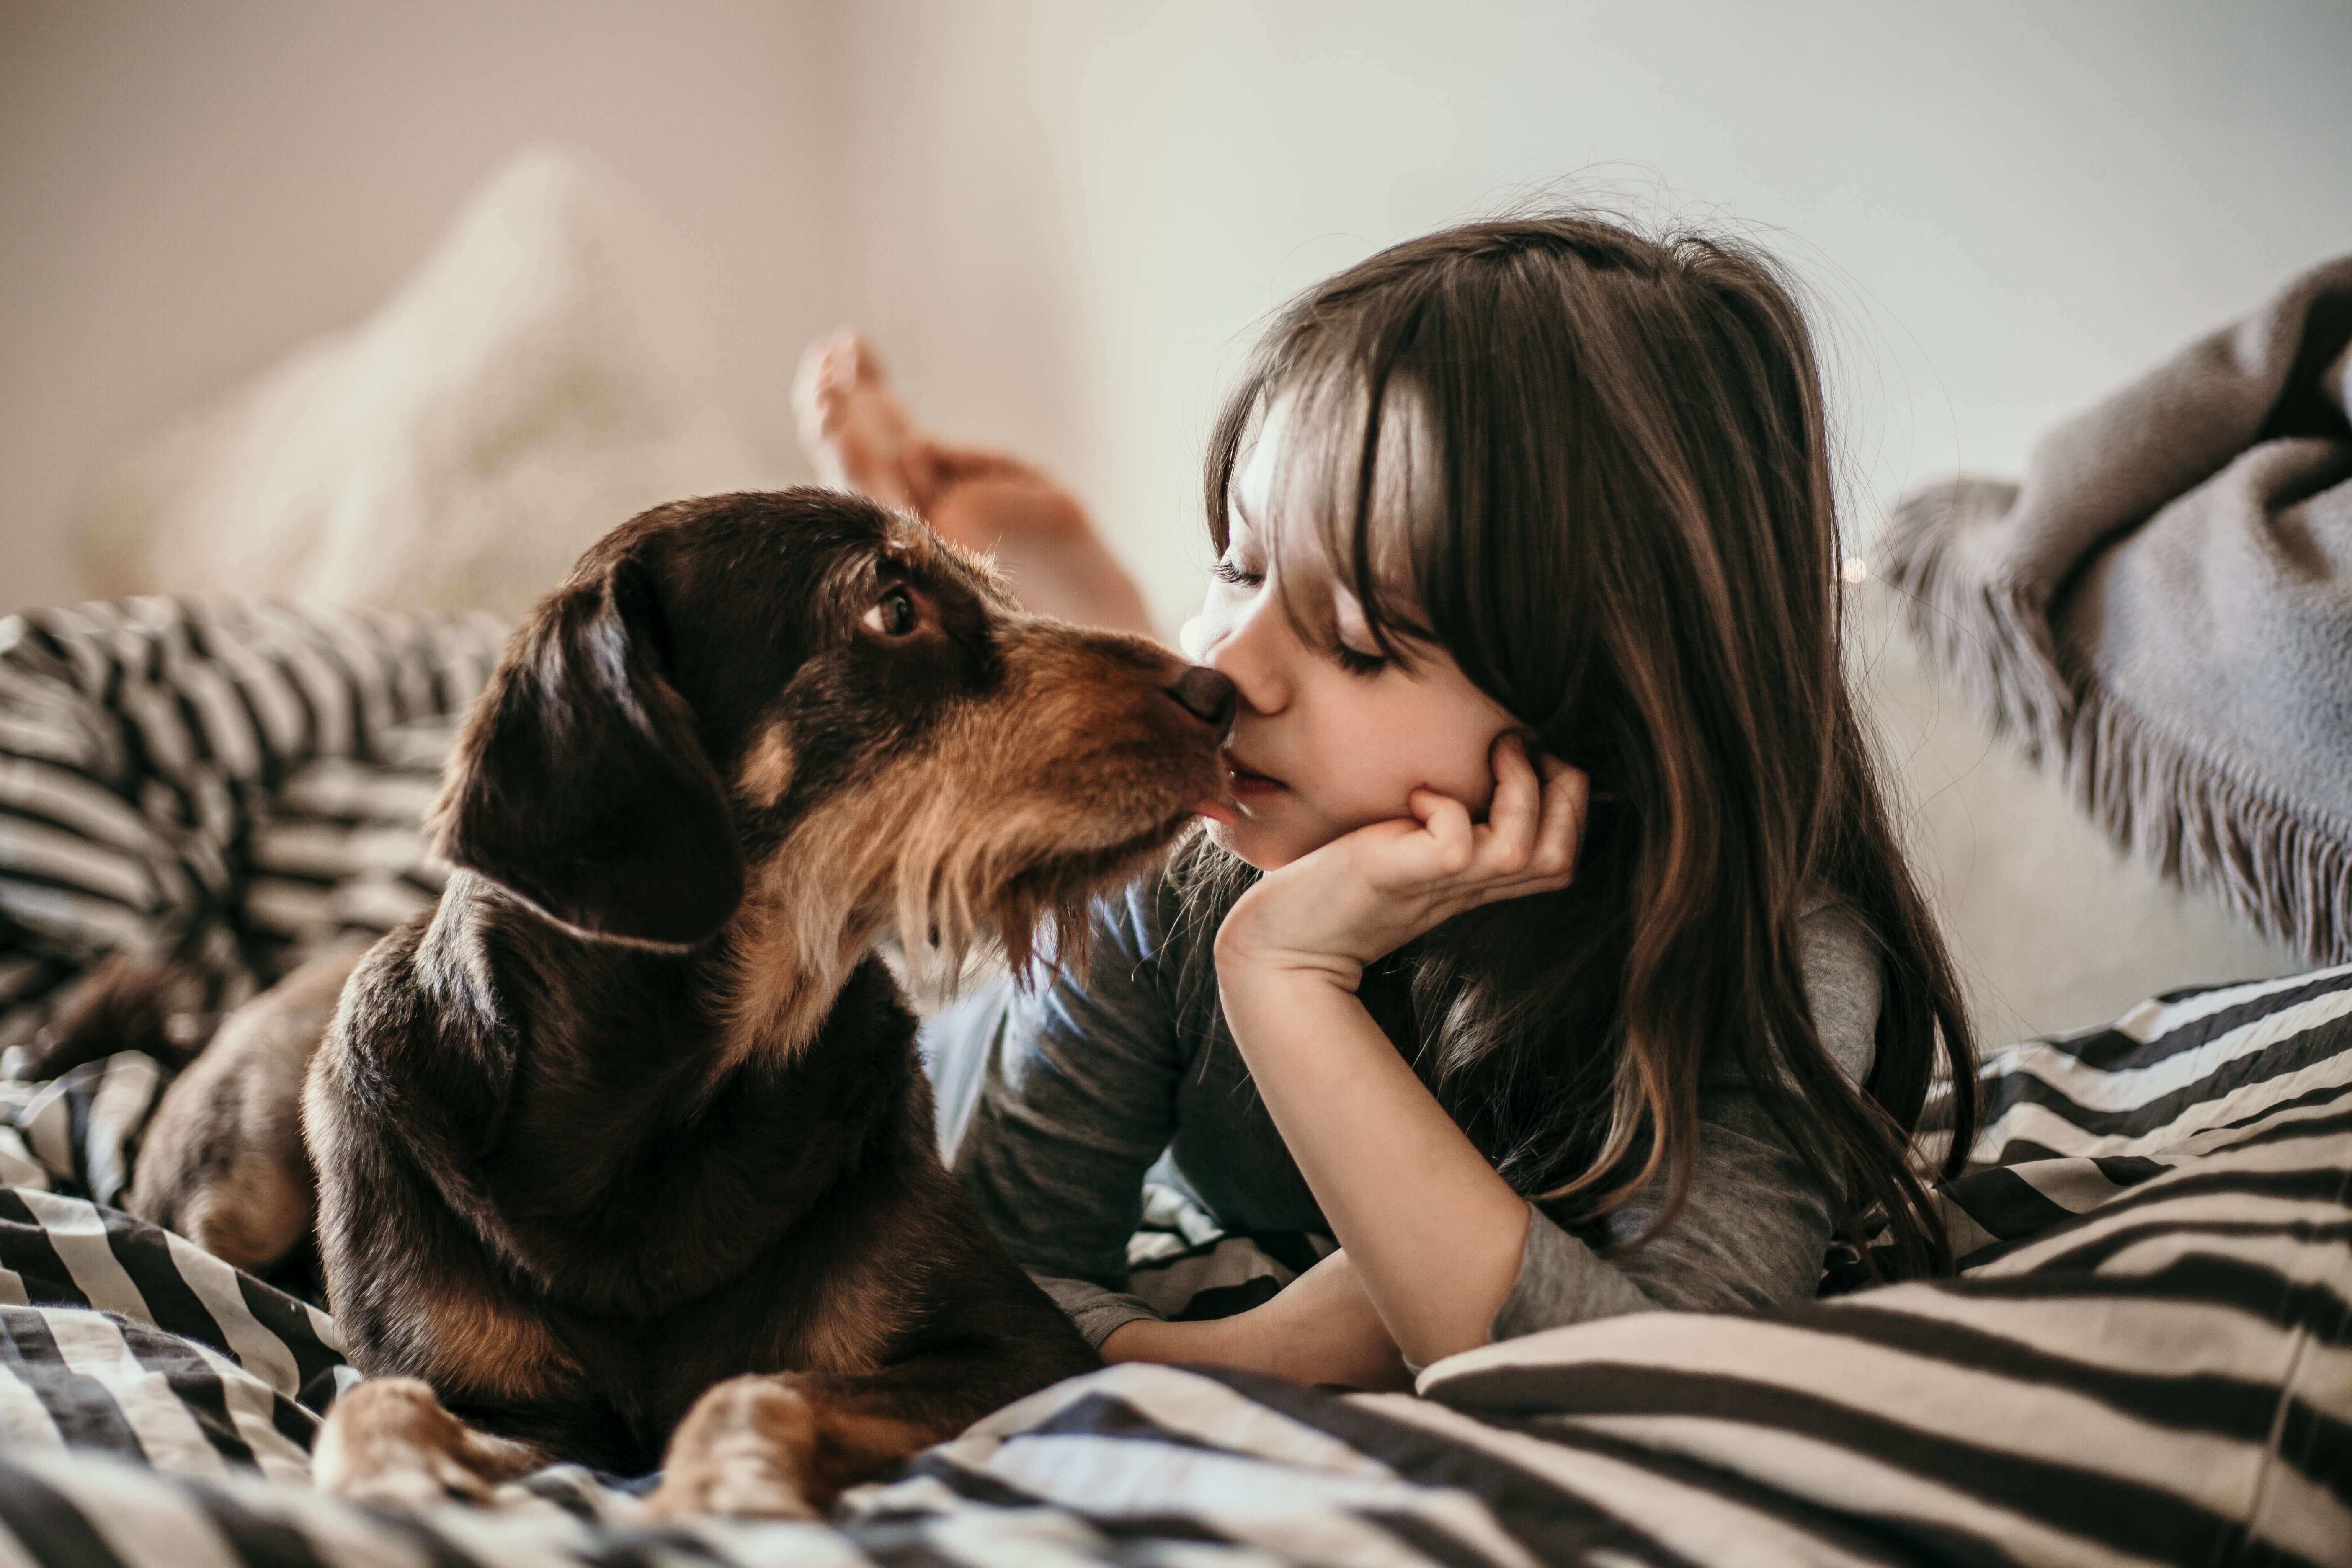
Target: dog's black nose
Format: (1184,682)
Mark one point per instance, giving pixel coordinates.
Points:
(1206,695)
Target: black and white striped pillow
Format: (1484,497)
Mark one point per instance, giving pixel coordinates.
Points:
(2146,1359)
(120,1335)
(229,780)
(2166,1377)
(2150,1357)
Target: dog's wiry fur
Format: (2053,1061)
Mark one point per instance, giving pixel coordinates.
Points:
(636,1109)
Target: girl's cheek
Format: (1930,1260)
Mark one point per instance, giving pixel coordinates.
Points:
(1465,772)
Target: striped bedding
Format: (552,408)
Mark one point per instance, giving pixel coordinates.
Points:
(2149,1357)
(233,781)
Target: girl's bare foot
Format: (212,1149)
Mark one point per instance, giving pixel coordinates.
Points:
(851,425)
(861,438)
(1036,530)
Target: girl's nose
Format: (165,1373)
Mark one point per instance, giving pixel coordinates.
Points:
(1247,652)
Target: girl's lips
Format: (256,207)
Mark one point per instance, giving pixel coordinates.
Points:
(1246,782)
(1242,785)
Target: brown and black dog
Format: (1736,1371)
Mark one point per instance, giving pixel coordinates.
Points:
(636,1109)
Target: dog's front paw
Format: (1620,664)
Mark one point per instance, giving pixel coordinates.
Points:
(747,1447)
(390,1441)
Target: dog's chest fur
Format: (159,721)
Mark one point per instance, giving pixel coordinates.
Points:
(598,1182)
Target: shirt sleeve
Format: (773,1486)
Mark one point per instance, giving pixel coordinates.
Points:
(1754,1228)
(1093,1311)
(1077,1100)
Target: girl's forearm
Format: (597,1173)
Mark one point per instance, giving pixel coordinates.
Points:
(1148,1339)
(1322,1329)
(1434,1235)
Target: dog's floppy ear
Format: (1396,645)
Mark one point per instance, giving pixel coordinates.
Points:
(578,783)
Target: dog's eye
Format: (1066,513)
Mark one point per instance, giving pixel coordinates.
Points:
(893,616)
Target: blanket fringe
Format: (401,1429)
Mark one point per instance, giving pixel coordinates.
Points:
(2178,809)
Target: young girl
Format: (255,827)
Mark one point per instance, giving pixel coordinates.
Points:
(1554,955)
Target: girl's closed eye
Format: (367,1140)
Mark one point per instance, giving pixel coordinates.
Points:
(1351,638)
(1359,661)
(1229,568)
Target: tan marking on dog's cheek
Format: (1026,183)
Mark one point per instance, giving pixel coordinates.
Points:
(815,909)
(767,770)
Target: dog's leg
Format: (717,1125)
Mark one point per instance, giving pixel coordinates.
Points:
(749,1446)
(785,1444)
(389,1440)
(221,1161)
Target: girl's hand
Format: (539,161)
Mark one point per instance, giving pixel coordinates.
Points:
(1434,1235)
(1319,1329)
(1368,892)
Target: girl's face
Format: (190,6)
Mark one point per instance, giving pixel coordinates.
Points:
(1329,737)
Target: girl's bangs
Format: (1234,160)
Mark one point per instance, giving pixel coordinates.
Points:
(1359,452)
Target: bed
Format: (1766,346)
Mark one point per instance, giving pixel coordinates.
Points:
(2145,1357)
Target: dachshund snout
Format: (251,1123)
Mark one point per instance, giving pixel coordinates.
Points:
(1206,695)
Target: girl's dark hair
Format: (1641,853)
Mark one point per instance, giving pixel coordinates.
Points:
(1636,555)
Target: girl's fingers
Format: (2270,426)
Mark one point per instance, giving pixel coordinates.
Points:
(1567,797)
(1527,843)
(1512,816)
(1448,823)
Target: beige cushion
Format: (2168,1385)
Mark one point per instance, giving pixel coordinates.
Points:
(2053,927)
(526,390)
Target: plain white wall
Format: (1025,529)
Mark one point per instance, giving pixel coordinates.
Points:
(1067,217)
(1063,219)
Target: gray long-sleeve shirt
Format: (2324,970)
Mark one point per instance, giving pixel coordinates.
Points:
(1056,1103)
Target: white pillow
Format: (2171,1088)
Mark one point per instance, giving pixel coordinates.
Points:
(526,390)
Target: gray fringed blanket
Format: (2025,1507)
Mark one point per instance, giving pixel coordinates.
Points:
(2161,613)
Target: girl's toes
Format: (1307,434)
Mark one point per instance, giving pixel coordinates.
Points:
(851,423)
(820,404)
